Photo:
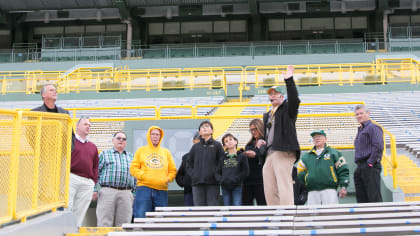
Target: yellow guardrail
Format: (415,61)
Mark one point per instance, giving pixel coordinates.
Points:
(34,163)
(381,71)
(391,159)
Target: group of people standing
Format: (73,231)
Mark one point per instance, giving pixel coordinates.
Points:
(263,172)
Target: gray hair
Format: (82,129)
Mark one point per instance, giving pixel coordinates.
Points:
(44,88)
(361,106)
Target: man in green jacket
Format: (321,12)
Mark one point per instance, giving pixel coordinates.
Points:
(323,169)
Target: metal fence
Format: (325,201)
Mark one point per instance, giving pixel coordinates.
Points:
(383,71)
(78,49)
(35,151)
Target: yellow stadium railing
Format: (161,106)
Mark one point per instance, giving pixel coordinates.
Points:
(34,163)
(389,160)
(381,71)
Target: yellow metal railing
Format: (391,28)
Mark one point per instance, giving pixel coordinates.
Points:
(35,154)
(381,71)
(391,159)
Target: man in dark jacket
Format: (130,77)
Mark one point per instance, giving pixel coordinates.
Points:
(281,141)
(183,179)
(368,151)
(202,166)
(49,97)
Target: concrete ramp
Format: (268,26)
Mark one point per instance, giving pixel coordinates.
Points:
(51,224)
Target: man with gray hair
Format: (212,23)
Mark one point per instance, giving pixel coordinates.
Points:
(368,149)
(49,97)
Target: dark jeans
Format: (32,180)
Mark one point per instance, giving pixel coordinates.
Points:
(251,192)
(232,197)
(147,199)
(188,199)
(206,195)
(367,181)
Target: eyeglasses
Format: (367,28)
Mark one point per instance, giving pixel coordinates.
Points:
(121,138)
(252,130)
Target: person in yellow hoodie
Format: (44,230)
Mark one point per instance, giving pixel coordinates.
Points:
(154,168)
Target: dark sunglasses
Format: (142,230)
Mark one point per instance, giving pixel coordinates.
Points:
(121,138)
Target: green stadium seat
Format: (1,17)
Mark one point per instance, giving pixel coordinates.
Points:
(209,51)
(294,49)
(154,53)
(181,52)
(322,48)
(351,47)
(265,50)
(237,51)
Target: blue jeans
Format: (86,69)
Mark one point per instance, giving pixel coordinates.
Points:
(147,199)
(232,197)
(188,199)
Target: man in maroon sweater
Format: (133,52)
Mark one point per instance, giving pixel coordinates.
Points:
(84,171)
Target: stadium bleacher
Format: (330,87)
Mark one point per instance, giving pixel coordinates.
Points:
(344,219)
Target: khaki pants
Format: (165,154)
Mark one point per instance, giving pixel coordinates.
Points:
(277,176)
(80,196)
(114,208)
(323,197)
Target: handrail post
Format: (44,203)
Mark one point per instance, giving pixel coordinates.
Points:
(68,162)
(224,82)
(36,160)
(194,112)
(4,85)
(157,113)
(241,84)
(394,160)
(413,73)
(256,77)
(57,172)
(340,76)
(319,75)
(191,79)
(14,164)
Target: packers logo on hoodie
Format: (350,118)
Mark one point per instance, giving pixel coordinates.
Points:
(154,161)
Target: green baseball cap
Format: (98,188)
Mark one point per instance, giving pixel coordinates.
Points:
(278,89)
(318,131)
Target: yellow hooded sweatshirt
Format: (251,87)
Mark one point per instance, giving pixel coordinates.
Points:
(153,166)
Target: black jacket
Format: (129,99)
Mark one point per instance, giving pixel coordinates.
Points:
(233,170)
(285,138)
(182,178)
(45,109)
(255,165)
(203,162)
